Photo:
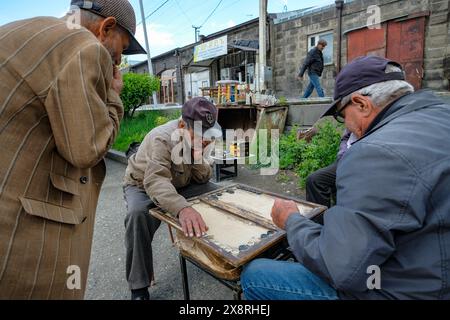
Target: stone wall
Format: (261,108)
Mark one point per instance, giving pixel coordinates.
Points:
(291,40)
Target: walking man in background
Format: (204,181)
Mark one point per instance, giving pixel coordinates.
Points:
(314,63)
(59,114)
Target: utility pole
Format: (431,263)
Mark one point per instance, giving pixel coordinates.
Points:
(262,44)
(149,57)
(197,32)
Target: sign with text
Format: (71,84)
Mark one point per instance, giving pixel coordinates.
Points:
(211,49)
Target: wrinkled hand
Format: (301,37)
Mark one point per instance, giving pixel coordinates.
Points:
(192,223)
(281,212)
(117,83)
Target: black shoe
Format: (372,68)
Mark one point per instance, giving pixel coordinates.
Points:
(140,294)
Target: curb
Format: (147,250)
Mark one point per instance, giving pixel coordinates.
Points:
(117,156)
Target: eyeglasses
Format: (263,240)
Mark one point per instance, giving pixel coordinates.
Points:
(338,115)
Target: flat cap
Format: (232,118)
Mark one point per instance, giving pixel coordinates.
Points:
(122,10)
(360,73)
(201,110)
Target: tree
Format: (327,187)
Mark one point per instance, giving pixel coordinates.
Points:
(136,91)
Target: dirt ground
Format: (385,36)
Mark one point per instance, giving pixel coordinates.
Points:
(284,183)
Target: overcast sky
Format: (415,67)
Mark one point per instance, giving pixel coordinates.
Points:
(171,26)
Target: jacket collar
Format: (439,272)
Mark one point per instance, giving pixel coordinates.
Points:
(406,104)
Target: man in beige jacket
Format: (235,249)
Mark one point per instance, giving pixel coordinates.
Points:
(170,165)
(59,114)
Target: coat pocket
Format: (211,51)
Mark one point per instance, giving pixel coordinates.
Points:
(51,212)
(64,184)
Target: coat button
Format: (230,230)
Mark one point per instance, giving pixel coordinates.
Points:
(84,180)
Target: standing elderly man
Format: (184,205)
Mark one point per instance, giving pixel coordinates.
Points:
(314,63)
(388,235)
(170,165)
(59,114)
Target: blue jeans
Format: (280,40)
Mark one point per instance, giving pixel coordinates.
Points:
(314,84)
(265,279)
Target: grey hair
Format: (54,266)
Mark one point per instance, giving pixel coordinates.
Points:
(383,93)
(88,17)
(323,42)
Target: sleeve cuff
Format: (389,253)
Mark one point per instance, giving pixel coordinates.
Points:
(178,206)
(293,220)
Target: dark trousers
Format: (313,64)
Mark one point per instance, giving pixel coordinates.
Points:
(140,227)
(321,186)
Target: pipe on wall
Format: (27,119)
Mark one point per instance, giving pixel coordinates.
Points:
(339,10)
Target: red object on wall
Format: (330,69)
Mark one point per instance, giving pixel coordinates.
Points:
(402,41)
(405,44)
(365,42)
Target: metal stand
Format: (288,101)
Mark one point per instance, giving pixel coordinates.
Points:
(281,253)
(185,278)
(221,172)
(233,285)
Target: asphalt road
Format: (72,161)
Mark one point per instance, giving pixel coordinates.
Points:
(106,279)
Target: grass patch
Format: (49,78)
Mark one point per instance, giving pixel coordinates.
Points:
(136,128)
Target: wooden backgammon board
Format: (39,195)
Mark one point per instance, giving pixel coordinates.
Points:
(240,227)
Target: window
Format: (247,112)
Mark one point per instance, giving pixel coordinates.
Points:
(328,52)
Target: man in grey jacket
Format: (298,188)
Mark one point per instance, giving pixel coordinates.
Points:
(388,237)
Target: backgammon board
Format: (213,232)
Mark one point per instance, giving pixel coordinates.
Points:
(239,222)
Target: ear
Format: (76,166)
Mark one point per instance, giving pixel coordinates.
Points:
(364,103)
(181,124)
(107,27)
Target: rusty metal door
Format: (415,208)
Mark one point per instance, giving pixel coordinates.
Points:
(366,42)
(405,44)
(401,41)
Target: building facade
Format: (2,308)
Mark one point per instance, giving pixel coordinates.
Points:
(415,33)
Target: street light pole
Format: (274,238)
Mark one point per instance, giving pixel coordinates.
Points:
(149,57)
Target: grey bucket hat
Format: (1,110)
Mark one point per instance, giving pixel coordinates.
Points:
(122,10)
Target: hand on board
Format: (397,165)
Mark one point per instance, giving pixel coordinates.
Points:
(281,212)
(192,223)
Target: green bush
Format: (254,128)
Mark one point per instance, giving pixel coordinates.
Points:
(136,91)
(291,150)
(321,152)
(135,129)
(305,158)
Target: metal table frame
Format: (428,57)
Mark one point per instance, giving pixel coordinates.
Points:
(221,172)
(281,252)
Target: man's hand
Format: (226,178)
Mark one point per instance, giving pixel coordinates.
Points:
(117,83)
(299,78)
(192,223)
(281,212)
(307,135)
(197,155)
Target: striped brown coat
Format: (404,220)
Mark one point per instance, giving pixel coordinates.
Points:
(58,118)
